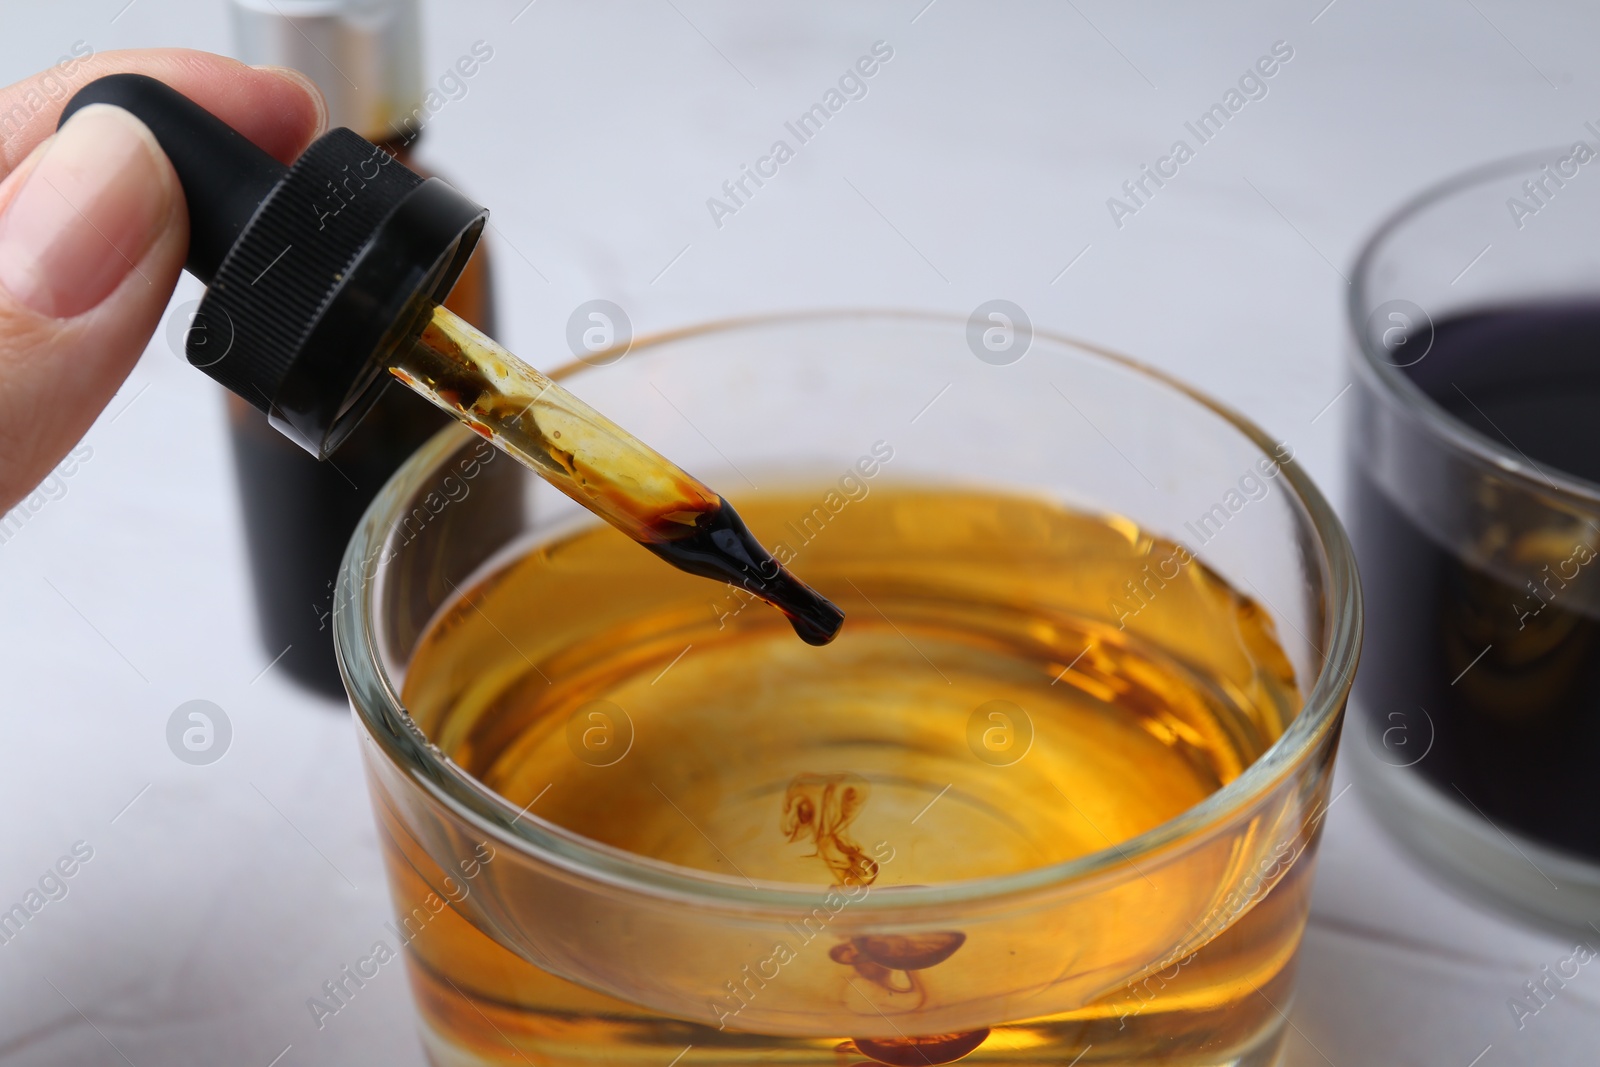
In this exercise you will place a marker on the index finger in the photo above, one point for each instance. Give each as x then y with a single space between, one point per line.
280 110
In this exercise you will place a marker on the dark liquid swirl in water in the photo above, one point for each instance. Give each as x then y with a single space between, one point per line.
818 810
1499 687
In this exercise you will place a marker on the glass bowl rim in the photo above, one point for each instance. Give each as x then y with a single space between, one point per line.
377 706
1397 388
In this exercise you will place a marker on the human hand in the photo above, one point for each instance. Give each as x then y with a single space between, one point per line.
94 232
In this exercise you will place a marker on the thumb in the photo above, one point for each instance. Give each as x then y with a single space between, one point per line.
93 234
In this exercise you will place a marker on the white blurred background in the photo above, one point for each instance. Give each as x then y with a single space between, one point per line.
978 166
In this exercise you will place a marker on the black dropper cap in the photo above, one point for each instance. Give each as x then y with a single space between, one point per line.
314 272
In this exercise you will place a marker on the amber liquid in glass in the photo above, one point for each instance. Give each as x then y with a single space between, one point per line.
980 714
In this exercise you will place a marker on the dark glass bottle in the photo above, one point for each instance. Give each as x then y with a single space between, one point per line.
299 512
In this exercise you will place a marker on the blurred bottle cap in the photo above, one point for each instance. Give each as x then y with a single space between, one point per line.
365 55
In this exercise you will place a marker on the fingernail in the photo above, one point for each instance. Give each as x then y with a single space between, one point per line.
86 214
311 89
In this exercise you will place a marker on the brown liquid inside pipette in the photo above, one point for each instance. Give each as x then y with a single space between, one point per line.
603 467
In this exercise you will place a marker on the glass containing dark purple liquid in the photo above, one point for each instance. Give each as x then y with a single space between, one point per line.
1475 510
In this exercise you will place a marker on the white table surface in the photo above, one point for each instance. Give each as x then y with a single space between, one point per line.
978 166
